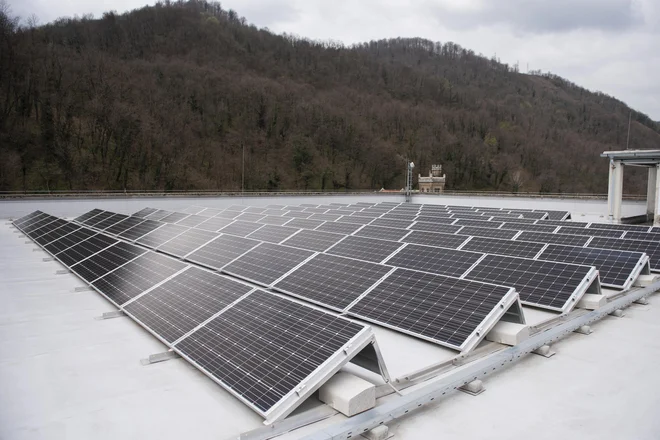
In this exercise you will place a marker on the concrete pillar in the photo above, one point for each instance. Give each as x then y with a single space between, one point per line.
651 192
656 213
615 192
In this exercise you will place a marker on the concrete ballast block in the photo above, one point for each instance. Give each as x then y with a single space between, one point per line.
348 394
381 432
508 333
590 301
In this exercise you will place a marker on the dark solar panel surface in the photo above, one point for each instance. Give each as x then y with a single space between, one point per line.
116 218
562 223
391 223
435 239
355 219
250 217
541 283
558 215
221 251
224 214
255 209
339 228
367 249
274 220
433 227
98 218
265 346
512 248
139 230
87 215
214 224
266 263
435 260
526 227
161 235
505 234
69 240
123 225
135 277
158 215
192 221
382 232
632 235
652 248
84 249
332 281
542 237
174 217
25 218
303 223
183 244
107 260
182 303
241 228
57 233
589 232
480 223
273 234
325 217
313 240
144 212
47 228
445 310
43 221
615 227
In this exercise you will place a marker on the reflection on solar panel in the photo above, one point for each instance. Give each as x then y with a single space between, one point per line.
98 218
113 219
140 229
123 225
505 234
367 249
274 220
275 212
339 228
266 263
84 249
192 221
272 233
355 219
523 249
435 260
57 233
542 237
46 228
69 240
616 268
297 214
591 232
192 209
406 217
264 347
187 242
87 215
250 217
210 212
135 277
447 311
332 281
160 214
25 223
254 209
237 208
241 229
526 227
313 240
646 236
391 223
107 260
294 208
325 217
651 248
544 284
174 217
214 224
185 301
221 251
144 212
382 232
161 235
436 239
303 223
25 218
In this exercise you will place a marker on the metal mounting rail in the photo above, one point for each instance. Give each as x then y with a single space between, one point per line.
439 389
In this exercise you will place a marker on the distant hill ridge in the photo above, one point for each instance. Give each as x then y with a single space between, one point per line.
170 96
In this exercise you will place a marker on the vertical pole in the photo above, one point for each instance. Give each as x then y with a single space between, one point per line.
651 196
243 173
656 213
615 193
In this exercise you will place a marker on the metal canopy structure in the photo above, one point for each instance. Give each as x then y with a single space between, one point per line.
641 158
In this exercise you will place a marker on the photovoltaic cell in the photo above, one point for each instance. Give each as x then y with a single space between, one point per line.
241 228
123 225
107 260
69 240
303 223
174 217
434 227
188 241
274 220
192 221
541 283
264 346
214 224
435 260
512 248
542 237
250 217
98 218
160 236
435 239
562 223
105 224
272 233
25 218
87 215
48 227
646 236
266 263
135 277
144 212
614 227
445 310
84 249
221 251
591 232
313 240
391 223
325 217
651 248
158 215
367 249
254 210
185 301
140 229
57 233
526 227
339 228
382 232
222 213
505 234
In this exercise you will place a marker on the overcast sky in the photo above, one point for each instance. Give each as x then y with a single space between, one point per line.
606 45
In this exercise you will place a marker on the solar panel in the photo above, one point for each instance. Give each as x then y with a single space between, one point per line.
525 227
631 235
98 218
107 260
303 223
250 217
331 281
435 239
523 249
440 261
140 229
237 208
542 237
527 221
433 227
616 268
615 227
28 222
562 223
294 208
254 209
391 223
86 216
221 251
185 301
192 220
558 215
366 213
355 219
591 232
367 249
144 212
69 240
325 217
213 212
433 218
183 244
274 220
505 234
214 224
313 240
273 234
478 217
274 212
25 218
339 228
535 215
43 221
447 311
57 233
263 347
193 209
316 210
298 214
651 248
84 249
135 277
48 227
383 233
161 235
123 225
105 224
406 217
545 284
174 217
266 263
241 228
158 215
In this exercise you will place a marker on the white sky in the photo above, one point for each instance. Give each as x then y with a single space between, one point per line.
605 45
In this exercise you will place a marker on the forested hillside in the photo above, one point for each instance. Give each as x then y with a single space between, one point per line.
169 97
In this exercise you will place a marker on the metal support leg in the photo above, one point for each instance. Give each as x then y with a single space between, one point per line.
584 330
62 271
159 357
642 301
82 289
111 315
